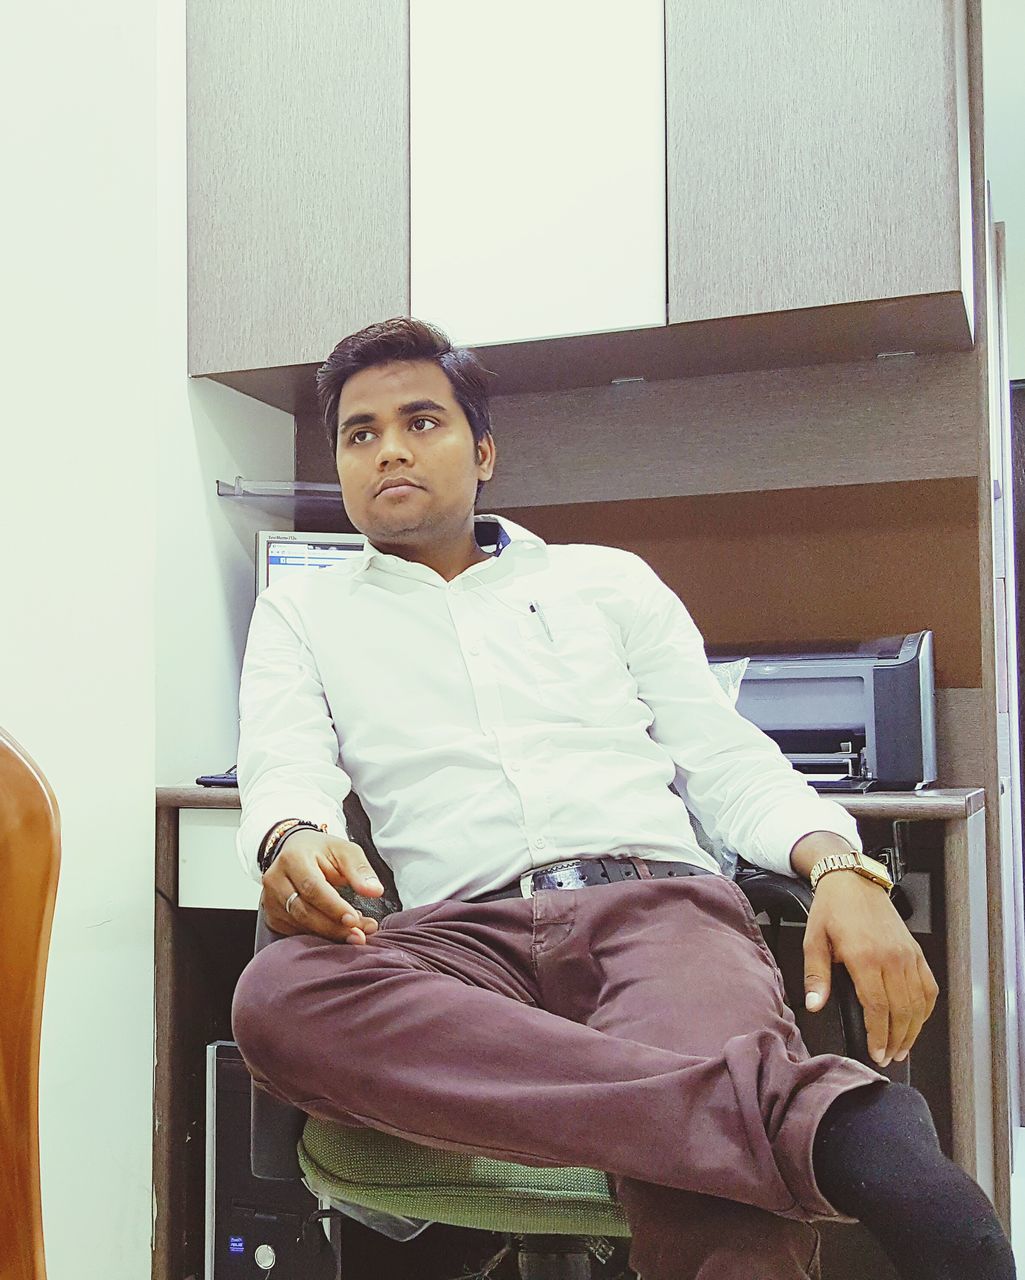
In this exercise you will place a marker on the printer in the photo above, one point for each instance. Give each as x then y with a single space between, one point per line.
851 716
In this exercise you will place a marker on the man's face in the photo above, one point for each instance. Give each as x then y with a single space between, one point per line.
402 420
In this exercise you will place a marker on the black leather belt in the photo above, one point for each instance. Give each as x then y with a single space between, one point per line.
581 873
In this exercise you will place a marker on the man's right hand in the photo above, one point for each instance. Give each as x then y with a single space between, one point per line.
315 866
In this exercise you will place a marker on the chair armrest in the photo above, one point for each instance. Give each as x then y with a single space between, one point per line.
784 898
274 1132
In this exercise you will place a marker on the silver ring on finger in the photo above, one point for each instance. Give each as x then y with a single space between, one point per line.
289 900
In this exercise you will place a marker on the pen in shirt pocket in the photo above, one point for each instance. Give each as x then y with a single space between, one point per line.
536 608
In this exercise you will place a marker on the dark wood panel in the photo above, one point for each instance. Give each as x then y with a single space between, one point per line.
807 564
174 1254
871 422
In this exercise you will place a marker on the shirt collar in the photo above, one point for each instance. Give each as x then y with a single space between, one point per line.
489 530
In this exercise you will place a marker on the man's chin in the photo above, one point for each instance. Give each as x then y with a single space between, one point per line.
400 529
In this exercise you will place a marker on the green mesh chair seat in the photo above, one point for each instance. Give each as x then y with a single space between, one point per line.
390 1175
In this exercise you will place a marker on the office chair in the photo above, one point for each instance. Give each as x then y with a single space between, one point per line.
555 1219
29 864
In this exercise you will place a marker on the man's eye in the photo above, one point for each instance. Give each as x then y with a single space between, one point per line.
353 438
430 422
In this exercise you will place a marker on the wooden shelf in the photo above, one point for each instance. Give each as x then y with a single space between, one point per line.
736 344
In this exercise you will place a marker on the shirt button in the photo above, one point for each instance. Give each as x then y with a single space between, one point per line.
539 842
474 649
514 767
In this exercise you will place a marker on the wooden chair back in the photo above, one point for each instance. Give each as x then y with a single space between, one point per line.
29 865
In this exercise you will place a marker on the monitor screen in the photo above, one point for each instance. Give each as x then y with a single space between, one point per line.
280 552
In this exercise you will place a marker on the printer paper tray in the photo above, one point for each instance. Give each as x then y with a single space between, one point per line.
852 786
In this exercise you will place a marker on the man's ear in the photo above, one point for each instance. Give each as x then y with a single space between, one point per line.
479 451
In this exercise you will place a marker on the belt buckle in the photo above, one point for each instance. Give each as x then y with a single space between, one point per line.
568 874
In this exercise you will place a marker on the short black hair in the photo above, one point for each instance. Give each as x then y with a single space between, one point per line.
403 338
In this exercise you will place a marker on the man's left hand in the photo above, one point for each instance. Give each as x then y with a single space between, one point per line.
854 923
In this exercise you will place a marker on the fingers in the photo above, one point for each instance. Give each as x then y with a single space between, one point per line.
303 917
929 985
911 992
922 992
818 968
317 867
317 893
905 1010
317 908
897 999
352 863
367 927
871 990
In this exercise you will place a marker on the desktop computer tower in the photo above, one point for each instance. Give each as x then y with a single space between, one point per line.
253 1226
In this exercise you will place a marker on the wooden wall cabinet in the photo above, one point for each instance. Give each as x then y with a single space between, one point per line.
818 158
298 177
589 191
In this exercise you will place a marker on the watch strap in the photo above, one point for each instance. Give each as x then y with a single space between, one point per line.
851 861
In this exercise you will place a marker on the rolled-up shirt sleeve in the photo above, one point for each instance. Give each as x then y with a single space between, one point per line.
288 763
732 776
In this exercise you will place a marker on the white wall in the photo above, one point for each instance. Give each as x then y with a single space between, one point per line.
84 399
1004 76
126 585
205 563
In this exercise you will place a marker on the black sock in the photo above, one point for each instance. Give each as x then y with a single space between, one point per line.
876 1158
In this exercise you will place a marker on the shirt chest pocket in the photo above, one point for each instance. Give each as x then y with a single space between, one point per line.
570 644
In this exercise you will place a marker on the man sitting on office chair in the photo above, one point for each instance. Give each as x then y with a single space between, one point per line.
524 709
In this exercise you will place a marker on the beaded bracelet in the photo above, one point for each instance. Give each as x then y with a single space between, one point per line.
277 836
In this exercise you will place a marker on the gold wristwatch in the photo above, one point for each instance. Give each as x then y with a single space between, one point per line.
859 862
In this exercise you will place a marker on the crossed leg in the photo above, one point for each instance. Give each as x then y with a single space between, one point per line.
691 983
505 1029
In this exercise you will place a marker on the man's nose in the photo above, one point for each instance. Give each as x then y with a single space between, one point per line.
393 445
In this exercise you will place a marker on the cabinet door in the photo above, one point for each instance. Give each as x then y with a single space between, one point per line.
817 154
209 872
537 167
297 176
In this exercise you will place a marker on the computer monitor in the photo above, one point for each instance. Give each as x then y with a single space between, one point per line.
280 552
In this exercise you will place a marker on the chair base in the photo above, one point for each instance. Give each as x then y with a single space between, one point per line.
537 1257
553 1258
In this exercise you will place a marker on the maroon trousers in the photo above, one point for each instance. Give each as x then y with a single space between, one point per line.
637 1028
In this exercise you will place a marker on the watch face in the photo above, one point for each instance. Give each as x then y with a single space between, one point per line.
876 869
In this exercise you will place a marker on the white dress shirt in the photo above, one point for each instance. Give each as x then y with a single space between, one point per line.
485 739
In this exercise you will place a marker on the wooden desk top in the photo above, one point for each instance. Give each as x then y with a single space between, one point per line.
939 804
